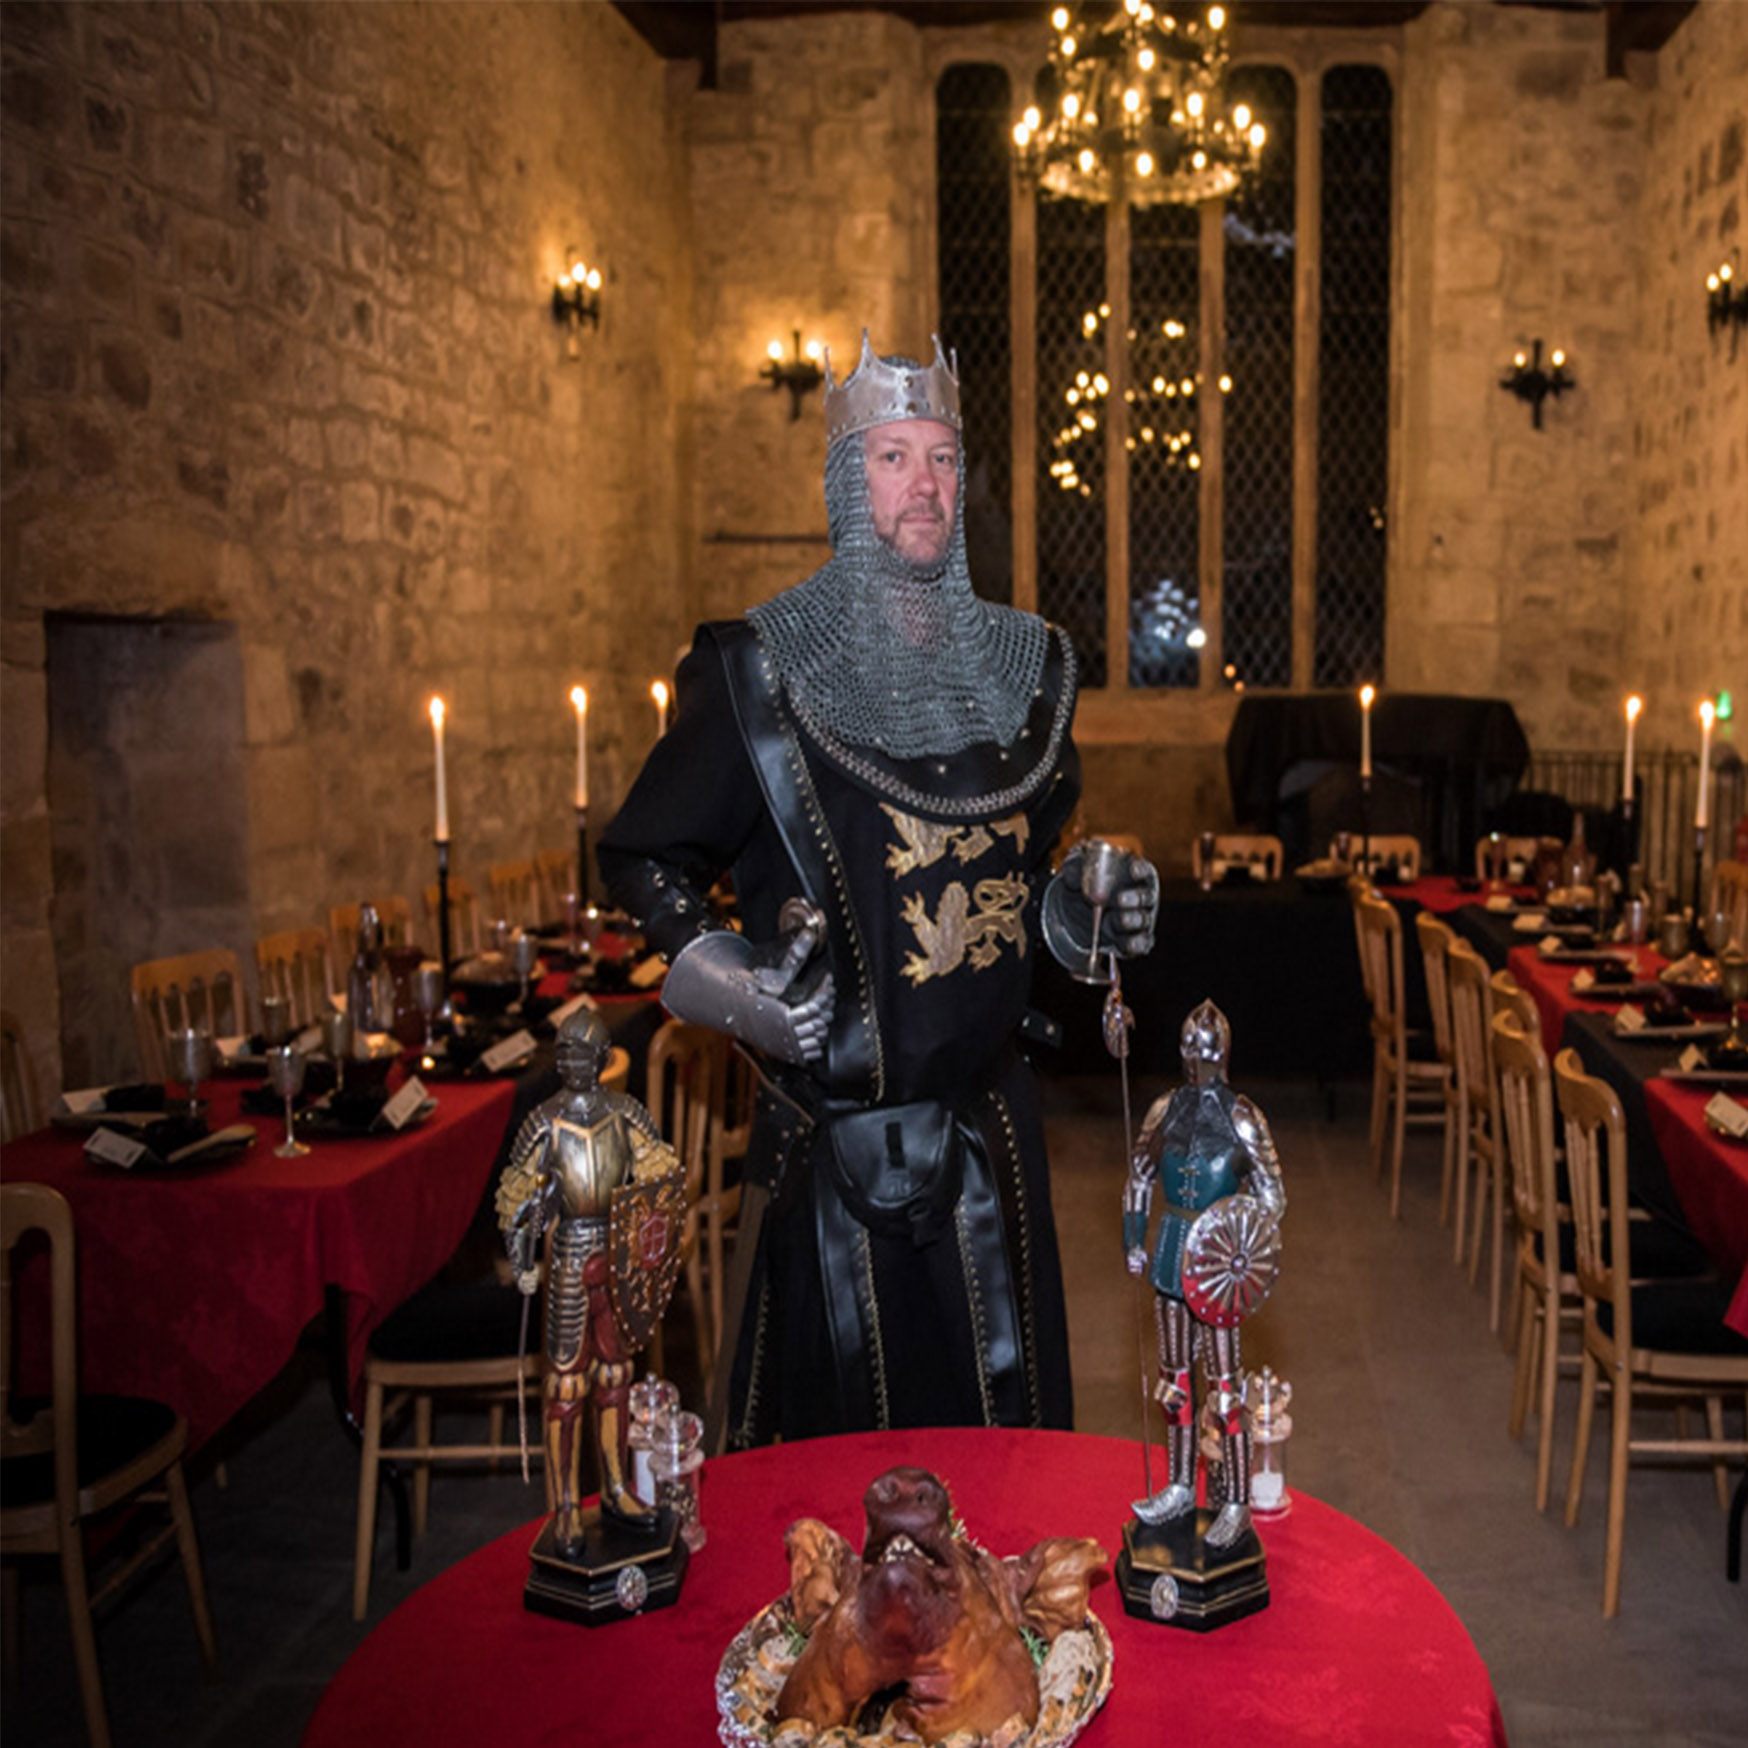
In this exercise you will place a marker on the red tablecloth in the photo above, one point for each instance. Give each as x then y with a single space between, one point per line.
194 1285
1551 986
1441 892
1710 1176
1356 1646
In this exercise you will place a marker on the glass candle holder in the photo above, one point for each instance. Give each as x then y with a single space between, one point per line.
1270 1427
677 1459
652 1399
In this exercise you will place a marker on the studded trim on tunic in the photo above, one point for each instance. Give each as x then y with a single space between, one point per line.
1012 1154
974 1303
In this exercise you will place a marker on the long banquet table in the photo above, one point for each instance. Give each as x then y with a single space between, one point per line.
1356 1645
195 1284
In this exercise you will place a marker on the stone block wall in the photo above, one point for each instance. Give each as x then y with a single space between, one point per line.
278 353
1688 608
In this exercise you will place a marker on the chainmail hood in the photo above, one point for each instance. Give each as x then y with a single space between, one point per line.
883 653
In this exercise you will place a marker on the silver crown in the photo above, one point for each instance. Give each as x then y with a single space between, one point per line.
878 393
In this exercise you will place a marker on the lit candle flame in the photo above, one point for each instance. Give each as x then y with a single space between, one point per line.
1634 705
1707 714
580 698
436 712
659 692
1367 694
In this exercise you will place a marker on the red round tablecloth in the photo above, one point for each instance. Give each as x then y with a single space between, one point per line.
1356 1646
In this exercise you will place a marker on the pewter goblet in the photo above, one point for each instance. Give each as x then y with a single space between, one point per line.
1733 976
428 991
275 1019
1717 931
1102 868
337 1041
1672 934
285 1067
524 952
191 1060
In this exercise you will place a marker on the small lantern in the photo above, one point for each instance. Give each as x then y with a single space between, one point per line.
652 1400
678 1456
1270 1427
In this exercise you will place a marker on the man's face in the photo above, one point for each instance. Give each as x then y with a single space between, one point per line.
913 484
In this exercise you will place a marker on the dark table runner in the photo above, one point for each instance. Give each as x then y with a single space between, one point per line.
1278 959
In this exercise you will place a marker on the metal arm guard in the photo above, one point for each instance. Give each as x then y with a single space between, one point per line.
1127 926
721 980
1265 1182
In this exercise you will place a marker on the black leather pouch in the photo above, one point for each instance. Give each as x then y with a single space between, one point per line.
898 1168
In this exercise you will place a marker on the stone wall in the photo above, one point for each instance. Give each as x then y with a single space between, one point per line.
1688 610
277 352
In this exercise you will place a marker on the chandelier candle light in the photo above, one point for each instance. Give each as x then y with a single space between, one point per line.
442 839
1133 108
580 702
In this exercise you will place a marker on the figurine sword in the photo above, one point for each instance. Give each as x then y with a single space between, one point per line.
1116 1023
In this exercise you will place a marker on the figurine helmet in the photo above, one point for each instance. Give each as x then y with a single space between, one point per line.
1205 1040
582 1050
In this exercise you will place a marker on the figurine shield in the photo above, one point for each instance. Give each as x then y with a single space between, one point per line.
1232 1258
645 1224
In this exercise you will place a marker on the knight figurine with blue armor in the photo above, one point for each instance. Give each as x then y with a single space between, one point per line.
1208 1151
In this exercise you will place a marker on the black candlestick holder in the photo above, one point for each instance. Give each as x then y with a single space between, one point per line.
582 859
1366 826
1699 857
443 906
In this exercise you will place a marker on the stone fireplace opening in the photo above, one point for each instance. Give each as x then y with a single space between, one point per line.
149 815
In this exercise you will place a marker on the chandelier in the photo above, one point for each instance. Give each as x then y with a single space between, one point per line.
1133 107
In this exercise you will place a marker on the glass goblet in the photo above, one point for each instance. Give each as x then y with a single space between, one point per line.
1102 869
191 1060
428 991
573 921
275 1019
1733 976
524 952
337 1041
1344 848
285 1067
1717 931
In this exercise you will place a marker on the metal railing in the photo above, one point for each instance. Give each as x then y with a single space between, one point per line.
1666 787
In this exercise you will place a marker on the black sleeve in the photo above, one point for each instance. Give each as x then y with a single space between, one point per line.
689 814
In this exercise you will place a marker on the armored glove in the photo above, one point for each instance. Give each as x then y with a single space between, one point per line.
776 996
1121 890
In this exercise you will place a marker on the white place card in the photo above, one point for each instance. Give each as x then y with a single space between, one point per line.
405 1105
229 1049
1629 1018
82 1101
1530 921
1728 1115
113 1149
1551 944
1692 1059
1582 980
1500 901
507 1052
649 972
560 1014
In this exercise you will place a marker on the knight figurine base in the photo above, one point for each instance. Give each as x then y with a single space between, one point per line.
618 1572
1168 1574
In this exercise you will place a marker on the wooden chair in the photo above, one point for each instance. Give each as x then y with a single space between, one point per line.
1477 1138
1545 1295
1646 1339
692 1076
1516 850
454 1344
1408 1080
189 990
1240 847
556 870
1436 939
464 926
20 1107
1509 996
514 892
394 913
1402 848
299 965
68 1458
1730 895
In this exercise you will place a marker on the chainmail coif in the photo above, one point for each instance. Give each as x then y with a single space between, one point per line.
881 652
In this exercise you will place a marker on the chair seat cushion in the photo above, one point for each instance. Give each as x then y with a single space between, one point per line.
113 1430
1684 1316
451 1321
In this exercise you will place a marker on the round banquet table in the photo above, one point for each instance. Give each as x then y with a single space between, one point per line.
1356 1646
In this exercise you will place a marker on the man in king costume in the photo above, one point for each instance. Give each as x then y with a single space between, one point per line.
884 761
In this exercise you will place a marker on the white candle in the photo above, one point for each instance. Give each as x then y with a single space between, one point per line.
442 785
1706 712
1367 694
1634 705
580 698
659 692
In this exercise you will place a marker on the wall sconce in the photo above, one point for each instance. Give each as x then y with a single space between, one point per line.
799 373
1530 382
576 299
1726 300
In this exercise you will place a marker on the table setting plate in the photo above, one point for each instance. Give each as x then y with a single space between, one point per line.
1688 1034
1581 956
1705 1076
221 1147
319 1122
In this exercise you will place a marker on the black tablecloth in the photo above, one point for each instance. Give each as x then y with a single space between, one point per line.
1452 760
1492 933
1278 960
